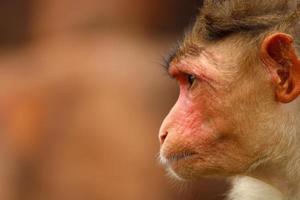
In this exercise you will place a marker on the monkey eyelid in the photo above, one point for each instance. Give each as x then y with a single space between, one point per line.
186 69
177 73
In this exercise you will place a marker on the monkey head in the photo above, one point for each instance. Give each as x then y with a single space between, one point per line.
237 98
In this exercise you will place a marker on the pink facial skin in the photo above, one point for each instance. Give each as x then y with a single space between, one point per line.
187 116
190 132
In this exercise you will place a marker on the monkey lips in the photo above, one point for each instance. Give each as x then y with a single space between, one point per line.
174 158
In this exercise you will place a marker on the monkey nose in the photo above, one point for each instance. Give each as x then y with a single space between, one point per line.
162 137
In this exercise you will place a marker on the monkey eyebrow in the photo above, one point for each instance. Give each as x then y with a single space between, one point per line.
169 57
188 50
169 62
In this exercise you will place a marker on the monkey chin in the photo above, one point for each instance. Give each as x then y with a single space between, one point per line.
186 167
192 172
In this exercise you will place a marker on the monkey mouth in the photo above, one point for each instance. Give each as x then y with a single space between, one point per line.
179 156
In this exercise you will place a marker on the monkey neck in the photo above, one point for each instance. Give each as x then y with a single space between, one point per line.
285 179
276 180
267 188
283 174
280 180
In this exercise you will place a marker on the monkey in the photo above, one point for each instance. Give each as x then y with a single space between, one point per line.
238 112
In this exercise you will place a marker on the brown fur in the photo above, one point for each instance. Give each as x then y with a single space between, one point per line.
219 19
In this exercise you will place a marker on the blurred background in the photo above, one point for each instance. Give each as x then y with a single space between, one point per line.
82 97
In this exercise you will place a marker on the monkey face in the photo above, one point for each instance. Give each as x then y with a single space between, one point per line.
212 129
197 139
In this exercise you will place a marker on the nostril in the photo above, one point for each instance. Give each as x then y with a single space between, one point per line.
163 137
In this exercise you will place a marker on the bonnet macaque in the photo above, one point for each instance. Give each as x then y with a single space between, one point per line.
238 111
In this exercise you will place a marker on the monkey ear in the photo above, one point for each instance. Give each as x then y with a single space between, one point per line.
280 58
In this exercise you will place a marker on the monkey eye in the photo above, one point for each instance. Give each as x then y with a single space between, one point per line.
191 80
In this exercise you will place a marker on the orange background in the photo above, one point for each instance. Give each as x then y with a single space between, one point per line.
82 97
